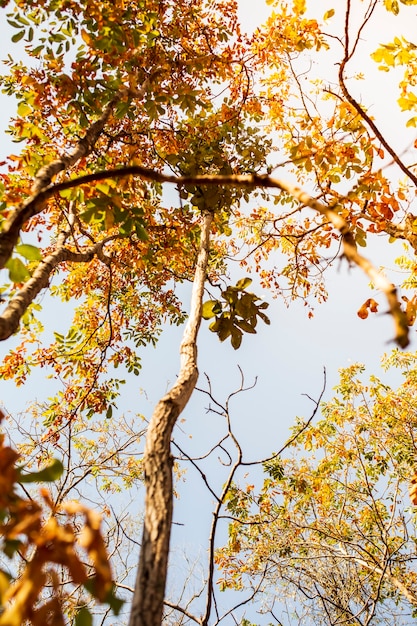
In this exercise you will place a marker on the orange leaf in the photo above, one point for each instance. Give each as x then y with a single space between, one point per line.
385 210
363 311
411 311
413 490
370 304
86 37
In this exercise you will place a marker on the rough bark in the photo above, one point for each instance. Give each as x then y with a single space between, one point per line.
149 592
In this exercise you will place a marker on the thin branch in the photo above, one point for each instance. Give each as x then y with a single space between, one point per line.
216 514
359 109
299 432
183 611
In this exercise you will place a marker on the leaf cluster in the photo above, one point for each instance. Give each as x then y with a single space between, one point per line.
47 537
236 313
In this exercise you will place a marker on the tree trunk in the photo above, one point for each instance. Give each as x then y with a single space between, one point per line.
148 598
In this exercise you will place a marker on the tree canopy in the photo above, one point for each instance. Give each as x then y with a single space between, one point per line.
157 144
330 527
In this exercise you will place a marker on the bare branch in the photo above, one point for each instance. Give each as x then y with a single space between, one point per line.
178 608
302 428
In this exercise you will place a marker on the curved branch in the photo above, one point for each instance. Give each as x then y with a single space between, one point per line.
360 111
251 181
36 201
178 608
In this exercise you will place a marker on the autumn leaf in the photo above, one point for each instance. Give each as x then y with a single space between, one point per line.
370 305
413 490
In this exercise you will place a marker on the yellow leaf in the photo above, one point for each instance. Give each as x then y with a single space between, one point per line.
23 109
328 14
86 37
412 122
299 7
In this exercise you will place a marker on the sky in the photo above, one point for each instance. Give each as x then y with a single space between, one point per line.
286 358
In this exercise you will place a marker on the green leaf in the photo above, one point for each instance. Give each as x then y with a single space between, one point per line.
230 295
275 469
49 474
246 327
245 307
18 36
141 232
264 317
243 283
114 602
11 546
18 272
127 227
83 618
210 309
222 326
236 338
31 253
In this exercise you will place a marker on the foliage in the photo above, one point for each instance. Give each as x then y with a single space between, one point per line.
239 313
331 526
43 535
113 101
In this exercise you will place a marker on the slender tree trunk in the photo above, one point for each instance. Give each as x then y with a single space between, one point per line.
149 592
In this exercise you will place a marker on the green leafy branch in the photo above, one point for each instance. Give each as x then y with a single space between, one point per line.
238 313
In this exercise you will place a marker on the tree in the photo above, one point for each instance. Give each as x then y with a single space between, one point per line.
115 100
332 527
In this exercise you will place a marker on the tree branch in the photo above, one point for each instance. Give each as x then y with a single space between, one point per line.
12 314
251 181
361 112
36 201
411 597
